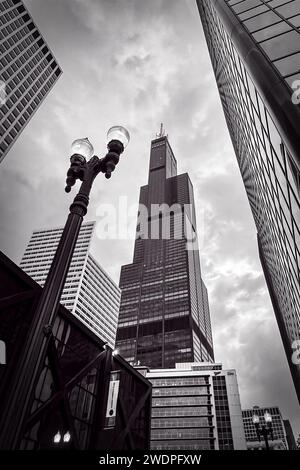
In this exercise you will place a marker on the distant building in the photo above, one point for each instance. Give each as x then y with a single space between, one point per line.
28 71
89 293
196 406
279 434
289 435
254 47
86 397
164 313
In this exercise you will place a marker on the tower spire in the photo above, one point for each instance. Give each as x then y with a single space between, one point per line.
161 132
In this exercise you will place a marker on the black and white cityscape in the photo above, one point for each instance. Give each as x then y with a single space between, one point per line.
150 225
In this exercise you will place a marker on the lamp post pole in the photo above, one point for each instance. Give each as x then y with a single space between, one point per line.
33 354
265 430
265 433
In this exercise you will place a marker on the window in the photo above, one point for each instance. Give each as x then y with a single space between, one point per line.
271 31
261 21
288 65
282 45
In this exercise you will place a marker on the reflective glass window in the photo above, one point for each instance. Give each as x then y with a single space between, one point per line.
271 31
282 45
288 65
261 21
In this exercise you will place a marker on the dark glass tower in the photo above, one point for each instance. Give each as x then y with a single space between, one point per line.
255 52
28 71
164 314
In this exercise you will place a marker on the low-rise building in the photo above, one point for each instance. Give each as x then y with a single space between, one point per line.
196 406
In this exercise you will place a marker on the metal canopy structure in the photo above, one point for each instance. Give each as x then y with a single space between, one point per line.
70 404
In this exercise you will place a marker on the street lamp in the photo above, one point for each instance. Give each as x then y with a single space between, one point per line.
61 441
265 429
57 438
67 437
86 170
84 166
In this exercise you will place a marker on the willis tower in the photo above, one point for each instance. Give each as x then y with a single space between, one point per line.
164 314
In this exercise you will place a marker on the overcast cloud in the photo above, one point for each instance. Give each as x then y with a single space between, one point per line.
139 63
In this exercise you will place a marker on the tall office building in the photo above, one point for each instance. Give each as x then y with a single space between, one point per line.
28 71
279 434
255 49
89 293
164 313
196 406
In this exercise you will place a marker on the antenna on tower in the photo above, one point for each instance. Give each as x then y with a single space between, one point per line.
161 132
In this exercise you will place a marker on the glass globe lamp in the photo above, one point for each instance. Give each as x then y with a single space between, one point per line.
82 147
118 133
255 419
57 438
268 418
67 437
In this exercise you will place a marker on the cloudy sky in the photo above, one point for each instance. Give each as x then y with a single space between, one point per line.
139 63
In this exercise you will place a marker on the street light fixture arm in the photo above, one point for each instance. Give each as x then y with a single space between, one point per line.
86 171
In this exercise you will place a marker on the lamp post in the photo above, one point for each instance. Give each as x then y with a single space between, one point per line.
265 429
84 167
60 439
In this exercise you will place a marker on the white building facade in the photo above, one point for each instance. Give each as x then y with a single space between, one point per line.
196 406
28 71
89 293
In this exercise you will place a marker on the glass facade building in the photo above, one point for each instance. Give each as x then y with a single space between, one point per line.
291 441
164 313
195 406
89 293
28 71
278 427
255 49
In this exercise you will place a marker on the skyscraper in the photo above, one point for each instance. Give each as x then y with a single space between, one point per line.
196 406
28 71
89 293
255 49
164 313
